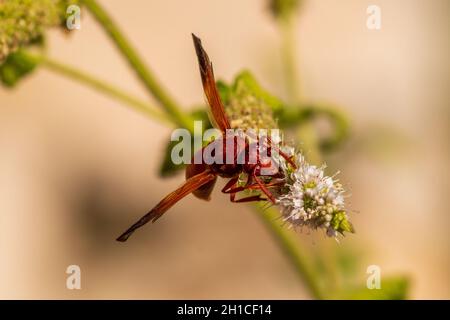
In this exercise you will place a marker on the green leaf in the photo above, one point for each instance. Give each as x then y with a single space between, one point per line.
167 167
392 288
16 66
340 223
246 79
293 117
224 91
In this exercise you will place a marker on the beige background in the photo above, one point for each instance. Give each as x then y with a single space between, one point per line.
77 167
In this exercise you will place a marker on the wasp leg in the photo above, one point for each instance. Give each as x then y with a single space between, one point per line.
230 184
232 189
253 186
246 199
263 187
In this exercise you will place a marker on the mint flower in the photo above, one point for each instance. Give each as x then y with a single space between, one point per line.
312 199
23 22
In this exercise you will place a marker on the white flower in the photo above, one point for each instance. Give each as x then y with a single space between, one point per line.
312 199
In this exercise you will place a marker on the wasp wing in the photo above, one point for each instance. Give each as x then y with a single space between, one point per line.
165 204
209 86
204 192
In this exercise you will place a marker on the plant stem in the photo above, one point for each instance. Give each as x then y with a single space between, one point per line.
100 86
289 243
142 71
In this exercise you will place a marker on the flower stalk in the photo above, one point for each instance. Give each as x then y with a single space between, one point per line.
289 244
99 85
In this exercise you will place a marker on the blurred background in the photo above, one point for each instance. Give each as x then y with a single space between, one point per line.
76 168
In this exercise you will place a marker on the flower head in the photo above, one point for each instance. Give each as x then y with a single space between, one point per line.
246 104
23 22
312 199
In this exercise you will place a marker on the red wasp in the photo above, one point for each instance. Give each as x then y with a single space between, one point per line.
201 177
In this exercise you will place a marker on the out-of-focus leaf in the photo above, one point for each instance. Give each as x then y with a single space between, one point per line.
292 117
16 66
283 9
392 288
167 167
224 91
348 259
383 143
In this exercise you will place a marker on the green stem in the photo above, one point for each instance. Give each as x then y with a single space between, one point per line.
142 71
100 86
290 245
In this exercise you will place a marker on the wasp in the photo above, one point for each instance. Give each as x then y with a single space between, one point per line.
243 158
